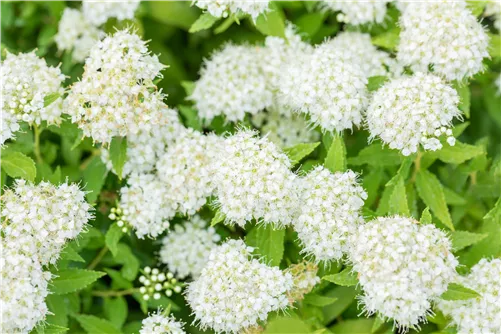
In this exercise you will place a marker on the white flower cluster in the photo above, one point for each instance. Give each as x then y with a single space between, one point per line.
8 126
493 9
116 95
231 84
413 110
98 12
235 292
76 34
402 267
481 314
329 213
253 181
357 12
185 249
26 82
444 35
332 91
155 282
223 8
159 323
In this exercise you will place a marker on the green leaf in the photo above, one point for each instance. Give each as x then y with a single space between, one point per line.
71 280
345 297
204 21
130 263
376 82
345 278
495 45
132 327
94 176
116 310
95 325
495 213
376 155
113 236
353 326
426 217
463 239
118 154
268 243
378 323
463 90
191 117
228 22
173 13
48 328
458 292
117 280
458 153
287 325
298 152
58 310
388 40
271 24
310 23
189 87
317 300
218 218
431 192
70 254
476 6
398 199
51 98
16 164
452 198
335 161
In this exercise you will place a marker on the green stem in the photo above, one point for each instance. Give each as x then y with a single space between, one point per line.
36 149
114 293
98 258
417 166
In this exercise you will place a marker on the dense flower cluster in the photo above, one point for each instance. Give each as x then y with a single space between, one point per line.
159 323
234 292
359 11
253 181
409 111
116 95
186 248
402 267
98 12
26 82
481 314
444 35
223 8
329 213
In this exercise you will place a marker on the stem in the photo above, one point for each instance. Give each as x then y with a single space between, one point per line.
36 149
417 165
98 258
114 293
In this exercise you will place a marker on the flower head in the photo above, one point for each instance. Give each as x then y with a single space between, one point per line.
158 323
223 8
98 12
358 12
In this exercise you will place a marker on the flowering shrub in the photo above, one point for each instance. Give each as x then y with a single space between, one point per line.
250 166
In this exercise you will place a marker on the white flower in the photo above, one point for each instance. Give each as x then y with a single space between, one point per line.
98 12
158 323
231 84
414 110
223 8
8 125
402 267
50 214
185 250
116 95
493 8
26 82
358 12
481 314
443 35
329 213
253 181
76 34
235 292
332 91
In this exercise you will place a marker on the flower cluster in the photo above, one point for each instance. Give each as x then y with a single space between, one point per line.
98 12
160 323
8 126
358 12
116 95
330 212
304 277
223 8
402 267
253 181
444 35
413 110
26 82
186 248
234 292
155 282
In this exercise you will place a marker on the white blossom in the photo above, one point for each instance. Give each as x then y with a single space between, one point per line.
98 12
185 250
443 35
8 126
235 291
402 267
357 12
413 110
223 8
158 323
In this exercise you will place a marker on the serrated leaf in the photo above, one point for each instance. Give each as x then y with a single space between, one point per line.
48 328
452 198
431 192
268 243
112 237
458 153
271 24
463 239
335 161
317 300
376 155
398 199
388 40
116 310
458 292
464 97
71 280
51 98
70 254
345 278
376 82
16 164
118 154
495 213
298 152
204 21
218 218
94 325
425 217
94 176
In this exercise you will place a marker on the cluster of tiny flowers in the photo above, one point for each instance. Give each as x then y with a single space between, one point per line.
493 9
98 12
116 95
160 323
223 8
444 35
284 130
332 91
231 84
155 282
413 110
358 12
145 147
329 213
186 248
402 267
304 277
8 126
253 181
26 82
76 34
50 214
235 292
481 314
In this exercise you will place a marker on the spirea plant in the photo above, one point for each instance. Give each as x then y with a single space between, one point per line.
250 167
